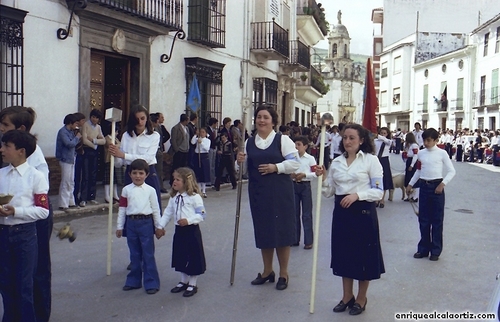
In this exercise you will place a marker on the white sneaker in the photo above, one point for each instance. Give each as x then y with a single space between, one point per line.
93 202
83 203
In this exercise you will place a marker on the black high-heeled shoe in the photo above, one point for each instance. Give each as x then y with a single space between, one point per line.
282 283
341 307
261 280
357 309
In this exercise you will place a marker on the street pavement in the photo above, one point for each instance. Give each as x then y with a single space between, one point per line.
461 281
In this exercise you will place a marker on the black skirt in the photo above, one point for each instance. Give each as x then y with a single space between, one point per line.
188 255
386 166
356 250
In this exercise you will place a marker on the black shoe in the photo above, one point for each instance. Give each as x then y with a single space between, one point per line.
179 288
419 255
261 280
129 288
282 283
407 199
341 307
152 291
381 205
188 293
129 267
357 309
414 200
434 258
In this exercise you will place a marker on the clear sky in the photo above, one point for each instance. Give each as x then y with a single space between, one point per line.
356 16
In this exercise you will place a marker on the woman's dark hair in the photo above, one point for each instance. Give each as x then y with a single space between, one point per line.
364 134
132 120
270 110
389 136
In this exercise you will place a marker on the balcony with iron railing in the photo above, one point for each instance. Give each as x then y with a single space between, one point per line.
486 97
312 25
299 59
165 14
310 86
269 41
456 105
207 22
423 108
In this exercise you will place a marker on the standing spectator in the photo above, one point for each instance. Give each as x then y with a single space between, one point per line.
271 158
159 153
226 123
302 188
165 136
226 161
382 144
479 147
179 145
355 178
92 137
65 153
18 236
22 118
193 130
328 142
417 132
432 181
398 137
138 202
336 140
495 143
201 163
139 141
118 171
238 142
212 129
80 119
410 152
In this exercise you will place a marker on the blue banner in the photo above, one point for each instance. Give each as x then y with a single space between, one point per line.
194 96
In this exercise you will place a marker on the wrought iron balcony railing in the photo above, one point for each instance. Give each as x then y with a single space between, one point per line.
299 54
488 96
311 8
207 22
270 36
167 13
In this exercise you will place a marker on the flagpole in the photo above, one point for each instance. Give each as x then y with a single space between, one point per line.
326 119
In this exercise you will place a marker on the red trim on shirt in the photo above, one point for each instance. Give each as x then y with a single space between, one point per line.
41 200
123 201
418 165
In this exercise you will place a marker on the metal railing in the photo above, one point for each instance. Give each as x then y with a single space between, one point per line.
488 96
269 35
456 104
167 13
311 8
207 23
299 54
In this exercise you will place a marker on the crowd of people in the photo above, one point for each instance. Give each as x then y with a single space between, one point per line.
356 170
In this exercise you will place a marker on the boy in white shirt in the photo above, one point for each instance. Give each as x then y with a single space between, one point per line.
431 198
302 187
18 217
139 204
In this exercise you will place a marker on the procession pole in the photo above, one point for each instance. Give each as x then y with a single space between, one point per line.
326 119
241 148
113 115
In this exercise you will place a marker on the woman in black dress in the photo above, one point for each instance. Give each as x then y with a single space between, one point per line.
271 157
355 178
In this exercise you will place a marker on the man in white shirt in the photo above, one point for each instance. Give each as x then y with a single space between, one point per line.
336 139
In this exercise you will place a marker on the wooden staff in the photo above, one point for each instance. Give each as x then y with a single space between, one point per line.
241 148
326 119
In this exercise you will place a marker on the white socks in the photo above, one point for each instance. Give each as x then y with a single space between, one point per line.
106 192
203 187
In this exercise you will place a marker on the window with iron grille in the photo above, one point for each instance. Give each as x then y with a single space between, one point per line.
11 56
265 92
207 22
486 39
209 76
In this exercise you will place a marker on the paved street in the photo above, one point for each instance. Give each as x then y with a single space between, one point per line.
462 280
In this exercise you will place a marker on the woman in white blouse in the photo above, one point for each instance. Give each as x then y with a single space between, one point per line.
140 141
271 158
383 142
355 178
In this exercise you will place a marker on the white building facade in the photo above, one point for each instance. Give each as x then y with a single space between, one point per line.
118 53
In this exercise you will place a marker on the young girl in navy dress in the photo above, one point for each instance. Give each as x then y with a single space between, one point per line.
383 143
201 163
410 157
186 206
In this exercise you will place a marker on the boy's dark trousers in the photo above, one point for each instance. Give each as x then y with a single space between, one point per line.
42 279
303 196
140 241
78 177
179 160
226 162
398 145
18 256
430 218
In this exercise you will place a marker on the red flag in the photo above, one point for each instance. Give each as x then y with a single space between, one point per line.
370 101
